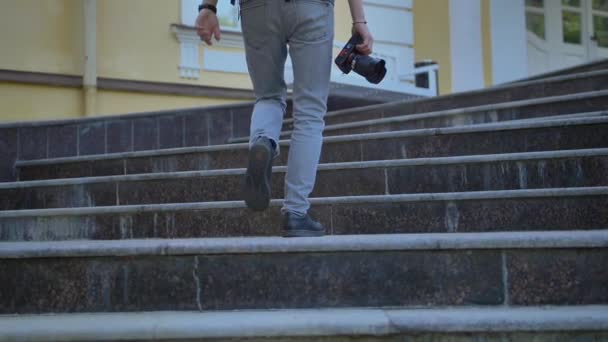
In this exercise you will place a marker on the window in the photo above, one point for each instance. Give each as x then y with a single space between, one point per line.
571 3
535 3
228 16
600 5
535 17
600 22
572 21
600 28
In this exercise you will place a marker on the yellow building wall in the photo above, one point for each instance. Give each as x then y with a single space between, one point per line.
135 42
43 36
23 102
432 37
114 102
486 36
343 21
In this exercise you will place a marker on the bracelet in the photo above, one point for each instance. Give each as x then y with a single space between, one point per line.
359 22
207 6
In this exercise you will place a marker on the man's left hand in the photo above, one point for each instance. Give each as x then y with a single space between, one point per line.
207 26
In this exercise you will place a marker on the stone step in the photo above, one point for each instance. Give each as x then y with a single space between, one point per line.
505 210
508 137
601 64
377 120
567 93
384 125
483 324
206 126
469 114
529 170
490 269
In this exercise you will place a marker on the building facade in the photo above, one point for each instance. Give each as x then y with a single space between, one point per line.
75 58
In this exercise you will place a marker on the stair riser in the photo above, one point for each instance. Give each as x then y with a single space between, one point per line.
475 143
482 215
500 175
305 280
480 117
532 91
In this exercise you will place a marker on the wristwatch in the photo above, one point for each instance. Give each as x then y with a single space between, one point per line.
207 6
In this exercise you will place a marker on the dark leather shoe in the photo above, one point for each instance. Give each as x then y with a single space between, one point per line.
301 226
256 187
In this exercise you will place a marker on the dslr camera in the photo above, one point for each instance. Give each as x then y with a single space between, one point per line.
373 69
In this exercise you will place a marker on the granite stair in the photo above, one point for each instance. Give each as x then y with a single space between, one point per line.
480 215
495 138
388 117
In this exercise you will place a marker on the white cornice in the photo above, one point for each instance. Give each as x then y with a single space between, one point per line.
190 43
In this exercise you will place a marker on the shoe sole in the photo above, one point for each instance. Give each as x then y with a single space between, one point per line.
302 233
256 190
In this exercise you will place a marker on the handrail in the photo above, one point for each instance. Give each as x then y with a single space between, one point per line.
431 71
421 70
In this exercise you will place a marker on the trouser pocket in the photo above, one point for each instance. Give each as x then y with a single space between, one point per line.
253 22
314 21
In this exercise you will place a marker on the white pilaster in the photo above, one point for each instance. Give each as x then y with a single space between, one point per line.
466 46
509 40
189 66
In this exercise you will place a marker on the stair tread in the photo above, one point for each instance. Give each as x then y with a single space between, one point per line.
473 92
371 122
369 199
465 159
301 322
485 107
337 243
491 127
414 117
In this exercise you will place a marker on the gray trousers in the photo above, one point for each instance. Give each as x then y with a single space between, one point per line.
307 28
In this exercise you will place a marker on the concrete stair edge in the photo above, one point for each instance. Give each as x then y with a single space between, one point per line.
490 127
413 117
303 322
342 243
479 108
476 92
593 114
370 199
472 159
565 71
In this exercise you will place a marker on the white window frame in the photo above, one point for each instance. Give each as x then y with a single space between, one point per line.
190 45
543 12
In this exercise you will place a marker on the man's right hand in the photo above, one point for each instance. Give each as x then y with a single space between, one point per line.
367 47
207 26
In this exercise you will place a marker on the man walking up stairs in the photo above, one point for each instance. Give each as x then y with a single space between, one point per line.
307 27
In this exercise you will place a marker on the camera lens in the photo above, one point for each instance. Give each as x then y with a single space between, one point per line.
373 69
